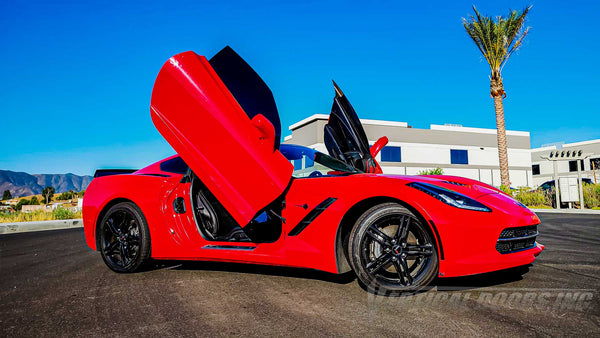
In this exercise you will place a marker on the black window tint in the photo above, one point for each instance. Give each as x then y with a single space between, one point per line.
573 165
594 163
458 156
535 169
391 154
175 165
249 90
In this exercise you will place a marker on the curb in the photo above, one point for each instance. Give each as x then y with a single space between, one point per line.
16 227
568 211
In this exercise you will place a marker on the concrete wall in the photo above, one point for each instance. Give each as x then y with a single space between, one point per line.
16 227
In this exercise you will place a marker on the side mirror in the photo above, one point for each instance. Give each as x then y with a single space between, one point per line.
376 148
266 129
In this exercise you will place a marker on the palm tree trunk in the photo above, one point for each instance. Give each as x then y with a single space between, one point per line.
497 91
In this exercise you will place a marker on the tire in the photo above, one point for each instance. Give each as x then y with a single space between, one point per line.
124 238
391 251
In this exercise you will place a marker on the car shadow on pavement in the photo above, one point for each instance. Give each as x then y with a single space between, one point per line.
344 278
459 283
441 284
494 278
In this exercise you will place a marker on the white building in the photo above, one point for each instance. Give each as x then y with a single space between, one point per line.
459 151
543 170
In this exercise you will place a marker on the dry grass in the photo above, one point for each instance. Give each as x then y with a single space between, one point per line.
56 214
531 198
540 207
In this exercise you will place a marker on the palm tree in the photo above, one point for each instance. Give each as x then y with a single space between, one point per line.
497 39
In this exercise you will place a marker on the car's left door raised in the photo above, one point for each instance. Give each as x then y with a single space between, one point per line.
233 155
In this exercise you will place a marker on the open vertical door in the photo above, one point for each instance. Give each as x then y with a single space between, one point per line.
234 153
345 137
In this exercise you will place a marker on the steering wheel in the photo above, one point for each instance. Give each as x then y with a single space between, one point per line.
315 173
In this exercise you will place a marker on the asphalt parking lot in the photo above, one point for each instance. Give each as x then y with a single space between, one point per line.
51 284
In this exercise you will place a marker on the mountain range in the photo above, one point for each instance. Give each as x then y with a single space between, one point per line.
24 184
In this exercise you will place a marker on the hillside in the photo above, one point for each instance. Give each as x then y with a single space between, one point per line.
24 184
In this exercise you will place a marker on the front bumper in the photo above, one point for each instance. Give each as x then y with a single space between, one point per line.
475 242
486 262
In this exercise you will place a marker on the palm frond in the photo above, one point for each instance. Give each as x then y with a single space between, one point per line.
497 38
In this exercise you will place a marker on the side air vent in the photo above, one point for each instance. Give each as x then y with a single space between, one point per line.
311 216
455 183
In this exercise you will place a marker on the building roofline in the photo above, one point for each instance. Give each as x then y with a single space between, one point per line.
574 144
315 117
543 148
477 130
439 127
385 123
308 120
566 145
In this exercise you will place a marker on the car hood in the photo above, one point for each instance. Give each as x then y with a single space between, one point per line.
468 187
479 191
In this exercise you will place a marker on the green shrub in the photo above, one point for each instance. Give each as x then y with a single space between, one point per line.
436 171
67 195
531 198
62 213
506 190
21 203
591 195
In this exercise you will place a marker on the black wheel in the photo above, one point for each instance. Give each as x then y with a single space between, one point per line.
391 252
124 238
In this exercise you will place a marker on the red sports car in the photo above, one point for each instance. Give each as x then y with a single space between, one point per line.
235 194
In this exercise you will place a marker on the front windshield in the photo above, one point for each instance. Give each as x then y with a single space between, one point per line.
311 163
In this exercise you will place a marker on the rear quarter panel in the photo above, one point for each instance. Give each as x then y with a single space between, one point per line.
144 190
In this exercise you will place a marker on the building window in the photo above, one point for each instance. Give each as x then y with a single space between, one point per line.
459 156
391 154
595 163
535 169
573 165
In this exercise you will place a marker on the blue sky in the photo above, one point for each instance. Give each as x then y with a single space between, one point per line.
76 76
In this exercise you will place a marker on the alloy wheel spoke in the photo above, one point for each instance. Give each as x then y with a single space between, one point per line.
110 248
123 251
379 263
402 231
111 226
123 225
406 277
133 240
399 271
418 250
379 236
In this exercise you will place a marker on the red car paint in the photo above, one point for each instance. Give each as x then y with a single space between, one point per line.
234 156
206 126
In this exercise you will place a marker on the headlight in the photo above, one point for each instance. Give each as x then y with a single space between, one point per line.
450 197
